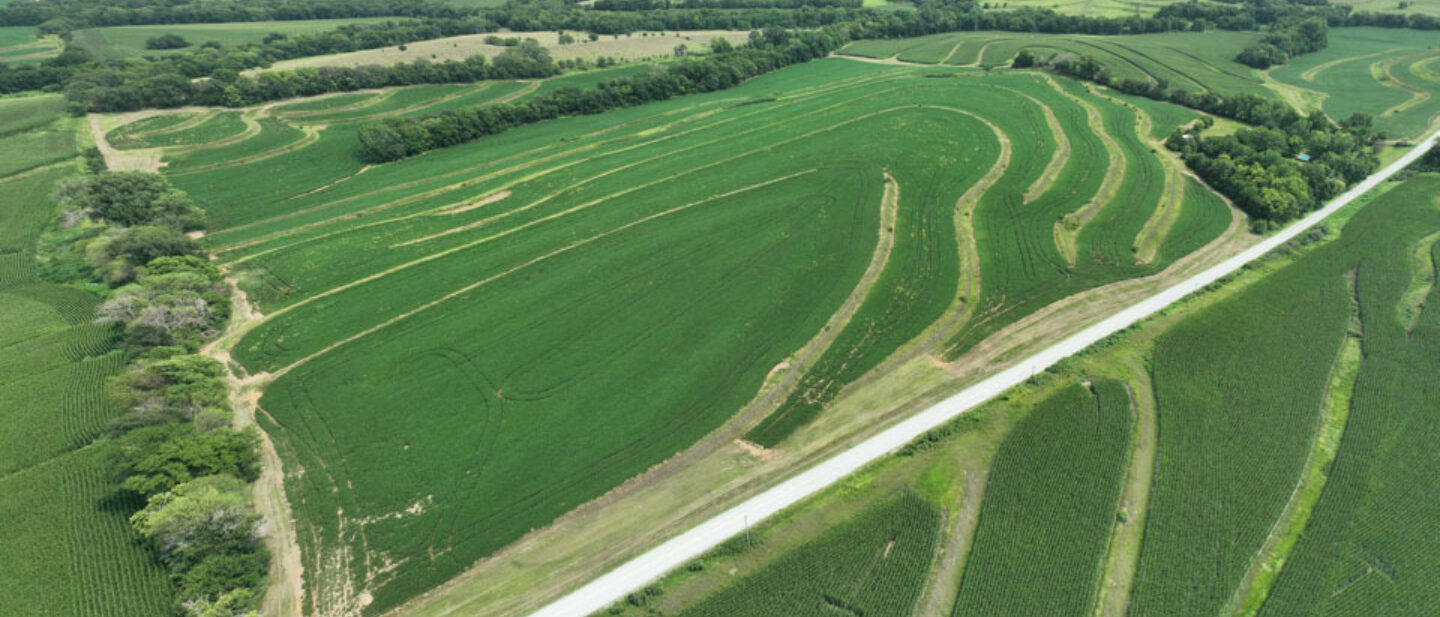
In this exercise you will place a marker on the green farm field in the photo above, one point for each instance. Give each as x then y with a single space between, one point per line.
1304 484
491 289
1050 506
874 564
1424 7
120 42
79 555
1393 75
1197 61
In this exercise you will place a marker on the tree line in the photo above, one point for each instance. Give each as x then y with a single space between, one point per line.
104 90
653 5
61 16
1291 36
174 452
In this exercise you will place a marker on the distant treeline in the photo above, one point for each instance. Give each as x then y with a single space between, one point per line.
109 85
58 16
651 5
108 91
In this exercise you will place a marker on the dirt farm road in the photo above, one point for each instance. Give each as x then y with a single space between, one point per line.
679 550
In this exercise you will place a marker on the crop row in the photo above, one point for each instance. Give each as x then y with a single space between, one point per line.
1370 544
1050 505
874 565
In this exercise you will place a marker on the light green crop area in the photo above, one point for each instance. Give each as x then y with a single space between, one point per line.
1391 74
1196 61
537 316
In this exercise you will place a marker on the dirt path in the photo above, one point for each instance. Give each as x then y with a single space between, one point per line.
37 170
1172 198
788 374
1124 552
132 160
285 593
1303 100
892 60
944 581
1314 71
980 55
310 136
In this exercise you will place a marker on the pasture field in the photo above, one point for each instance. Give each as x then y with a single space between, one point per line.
1092 8
872 565
79 554
633 46
1391 74
1050 506
497 289
120 42
1197 61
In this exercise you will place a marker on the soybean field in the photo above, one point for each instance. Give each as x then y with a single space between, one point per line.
463 346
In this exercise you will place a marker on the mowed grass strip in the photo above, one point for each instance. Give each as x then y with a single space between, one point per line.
273 135
1050 505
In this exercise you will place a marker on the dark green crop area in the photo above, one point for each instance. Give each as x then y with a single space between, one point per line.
1240 387
1050 506
873 565
484 337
